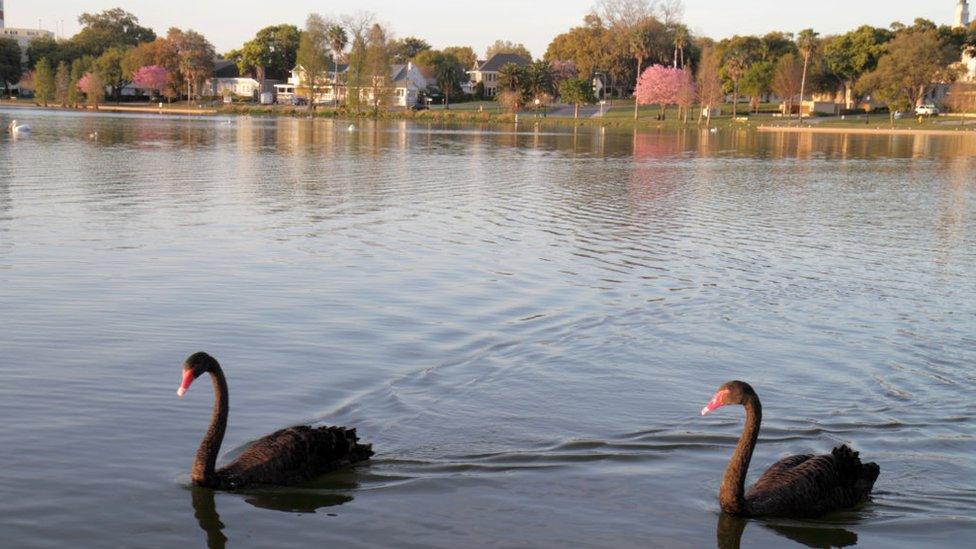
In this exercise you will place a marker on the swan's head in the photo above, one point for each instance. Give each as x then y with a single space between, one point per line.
195 366
733 392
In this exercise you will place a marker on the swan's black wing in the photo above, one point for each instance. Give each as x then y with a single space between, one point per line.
778 471
295 454
810 486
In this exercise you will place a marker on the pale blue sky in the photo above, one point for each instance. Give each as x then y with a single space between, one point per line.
228 23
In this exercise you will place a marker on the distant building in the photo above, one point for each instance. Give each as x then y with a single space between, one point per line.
408 86
227 80
962 14
968 63
486 72
22 36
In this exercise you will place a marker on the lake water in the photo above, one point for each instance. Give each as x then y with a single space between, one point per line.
525 323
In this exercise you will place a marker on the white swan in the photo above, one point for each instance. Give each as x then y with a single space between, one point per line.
351 128
18 129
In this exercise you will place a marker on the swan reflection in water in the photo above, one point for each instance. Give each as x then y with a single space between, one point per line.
276 499
730 528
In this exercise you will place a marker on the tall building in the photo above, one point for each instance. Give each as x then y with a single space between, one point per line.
962 13
22 36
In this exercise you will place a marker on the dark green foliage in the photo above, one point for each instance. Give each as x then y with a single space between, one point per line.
10 68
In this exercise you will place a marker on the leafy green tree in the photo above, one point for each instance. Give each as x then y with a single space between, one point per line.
194 57
449 75
774 45
55 51
851 55
576 91
584 45
313 55
110 28
10 69
757 81
464 54
540 81
271 53
62 81
110 66
44 84
904 75
405 49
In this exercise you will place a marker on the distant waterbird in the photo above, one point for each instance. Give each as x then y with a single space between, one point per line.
16 128
289 456
351 128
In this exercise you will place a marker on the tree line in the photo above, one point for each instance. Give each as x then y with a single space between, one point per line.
618 42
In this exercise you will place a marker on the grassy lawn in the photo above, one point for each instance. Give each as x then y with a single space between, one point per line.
479 106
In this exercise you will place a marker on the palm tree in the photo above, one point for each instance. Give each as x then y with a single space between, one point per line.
680 36
337 41
641 47
447 72
807 42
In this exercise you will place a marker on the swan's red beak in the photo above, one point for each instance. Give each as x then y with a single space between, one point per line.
187 380
717 402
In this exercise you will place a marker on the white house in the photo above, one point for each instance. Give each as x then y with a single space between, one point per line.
486 72
227 79
408 86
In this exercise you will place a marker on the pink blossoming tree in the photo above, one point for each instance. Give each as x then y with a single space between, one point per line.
661 85
93 86
151 77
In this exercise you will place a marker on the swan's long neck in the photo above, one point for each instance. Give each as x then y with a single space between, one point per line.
732 494
205 462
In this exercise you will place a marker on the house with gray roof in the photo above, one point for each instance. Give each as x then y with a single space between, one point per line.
486 72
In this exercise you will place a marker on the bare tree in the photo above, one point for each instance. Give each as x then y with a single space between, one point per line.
359 23
788 81
624 13
671 11
709 83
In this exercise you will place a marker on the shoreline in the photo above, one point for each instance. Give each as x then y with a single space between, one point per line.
144 109
863 131
485 118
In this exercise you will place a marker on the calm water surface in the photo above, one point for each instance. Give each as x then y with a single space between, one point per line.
524 323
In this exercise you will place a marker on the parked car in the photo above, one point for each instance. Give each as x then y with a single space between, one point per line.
927 109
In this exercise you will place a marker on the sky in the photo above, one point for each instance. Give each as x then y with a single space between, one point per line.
477 23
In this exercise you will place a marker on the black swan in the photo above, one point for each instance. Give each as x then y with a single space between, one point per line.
288 456
803 486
